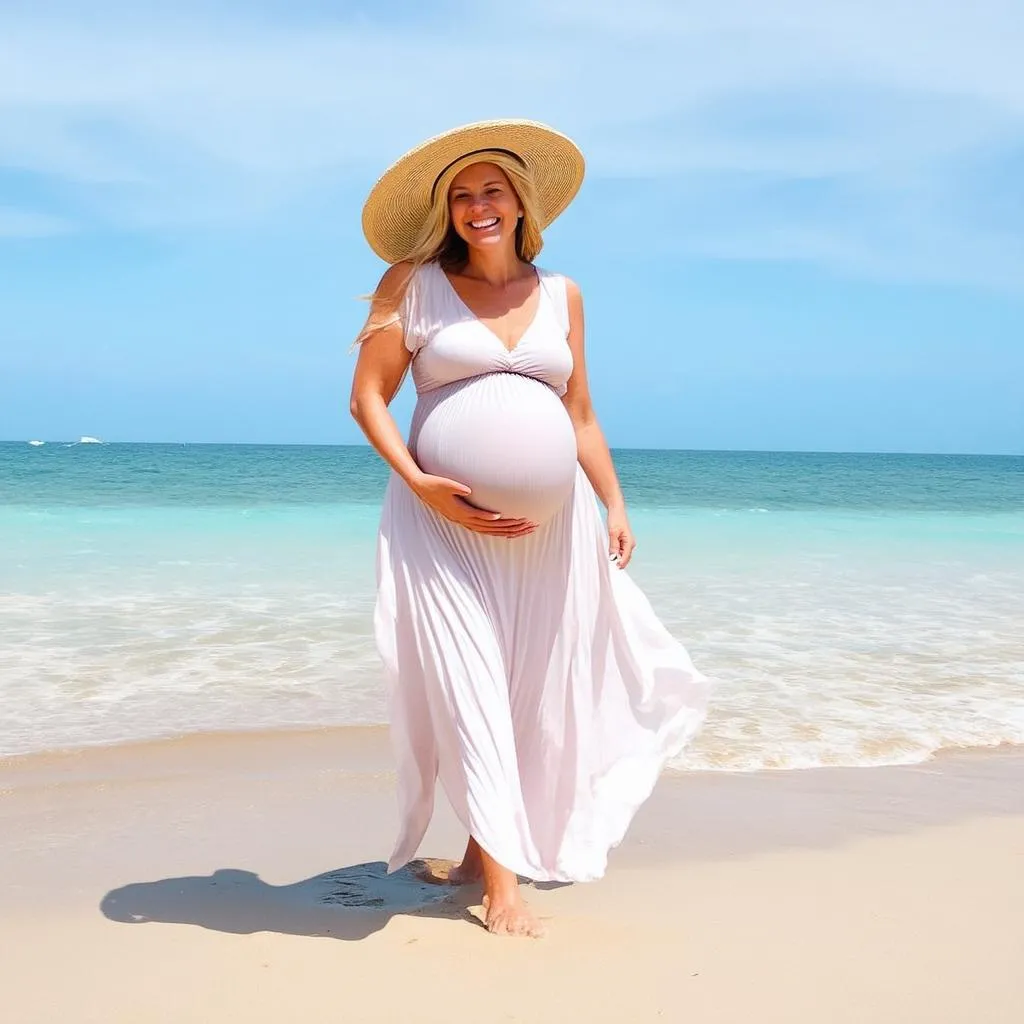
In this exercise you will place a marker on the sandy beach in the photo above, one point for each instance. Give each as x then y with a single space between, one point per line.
239 877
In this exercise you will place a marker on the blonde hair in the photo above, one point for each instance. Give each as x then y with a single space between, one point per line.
438 242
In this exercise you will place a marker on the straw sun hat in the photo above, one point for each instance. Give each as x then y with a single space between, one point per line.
399 202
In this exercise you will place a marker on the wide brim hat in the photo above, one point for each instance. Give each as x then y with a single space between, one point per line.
398 204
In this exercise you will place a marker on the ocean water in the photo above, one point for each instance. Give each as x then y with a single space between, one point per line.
853 609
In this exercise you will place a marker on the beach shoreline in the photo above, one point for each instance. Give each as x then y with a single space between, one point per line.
234 860
370 740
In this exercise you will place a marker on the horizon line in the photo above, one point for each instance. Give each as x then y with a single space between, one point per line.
614 448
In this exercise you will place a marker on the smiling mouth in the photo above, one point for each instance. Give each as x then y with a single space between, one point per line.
483 225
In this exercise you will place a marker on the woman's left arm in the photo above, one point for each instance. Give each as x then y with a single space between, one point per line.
594 456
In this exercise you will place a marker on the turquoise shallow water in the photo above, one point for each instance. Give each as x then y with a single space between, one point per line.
854 609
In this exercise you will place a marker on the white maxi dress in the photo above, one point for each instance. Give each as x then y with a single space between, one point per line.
530 674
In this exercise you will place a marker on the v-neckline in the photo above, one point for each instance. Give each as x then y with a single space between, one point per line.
529 327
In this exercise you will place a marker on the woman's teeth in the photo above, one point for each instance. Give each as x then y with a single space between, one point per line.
490 222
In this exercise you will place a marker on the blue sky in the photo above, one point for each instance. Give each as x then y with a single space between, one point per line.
802 225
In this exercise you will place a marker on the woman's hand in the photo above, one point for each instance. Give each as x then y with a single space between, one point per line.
448 499
621 542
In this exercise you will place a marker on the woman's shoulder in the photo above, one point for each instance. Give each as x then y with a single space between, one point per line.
397 275
548 272
393 281
572 289
404 281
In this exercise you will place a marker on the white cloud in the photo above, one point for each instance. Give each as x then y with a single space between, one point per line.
183 121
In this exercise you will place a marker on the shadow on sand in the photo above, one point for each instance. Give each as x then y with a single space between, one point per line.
349 903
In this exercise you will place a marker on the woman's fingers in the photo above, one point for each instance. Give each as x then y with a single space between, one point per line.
518 531
628 547
500 521
620 547
500 528
461 501
457 487
449 498
614 545
503 533
473 517
463 513
480 516
484 522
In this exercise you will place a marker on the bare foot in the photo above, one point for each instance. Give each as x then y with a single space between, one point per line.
503 911
446 872
472 867
511 917
432 870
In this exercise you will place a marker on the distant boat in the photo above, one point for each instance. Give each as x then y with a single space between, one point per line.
89 440
36 444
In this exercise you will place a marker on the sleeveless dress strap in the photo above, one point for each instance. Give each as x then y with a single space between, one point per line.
554 285
414 309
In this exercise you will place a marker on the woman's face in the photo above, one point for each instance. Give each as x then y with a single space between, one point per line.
483 205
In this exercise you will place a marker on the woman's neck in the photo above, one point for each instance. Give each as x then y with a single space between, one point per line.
496 267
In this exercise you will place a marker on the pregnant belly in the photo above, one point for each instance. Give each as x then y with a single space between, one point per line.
506 436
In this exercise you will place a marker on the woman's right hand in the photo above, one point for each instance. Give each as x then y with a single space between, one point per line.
448 499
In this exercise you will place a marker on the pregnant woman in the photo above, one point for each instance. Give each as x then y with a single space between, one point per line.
525 668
